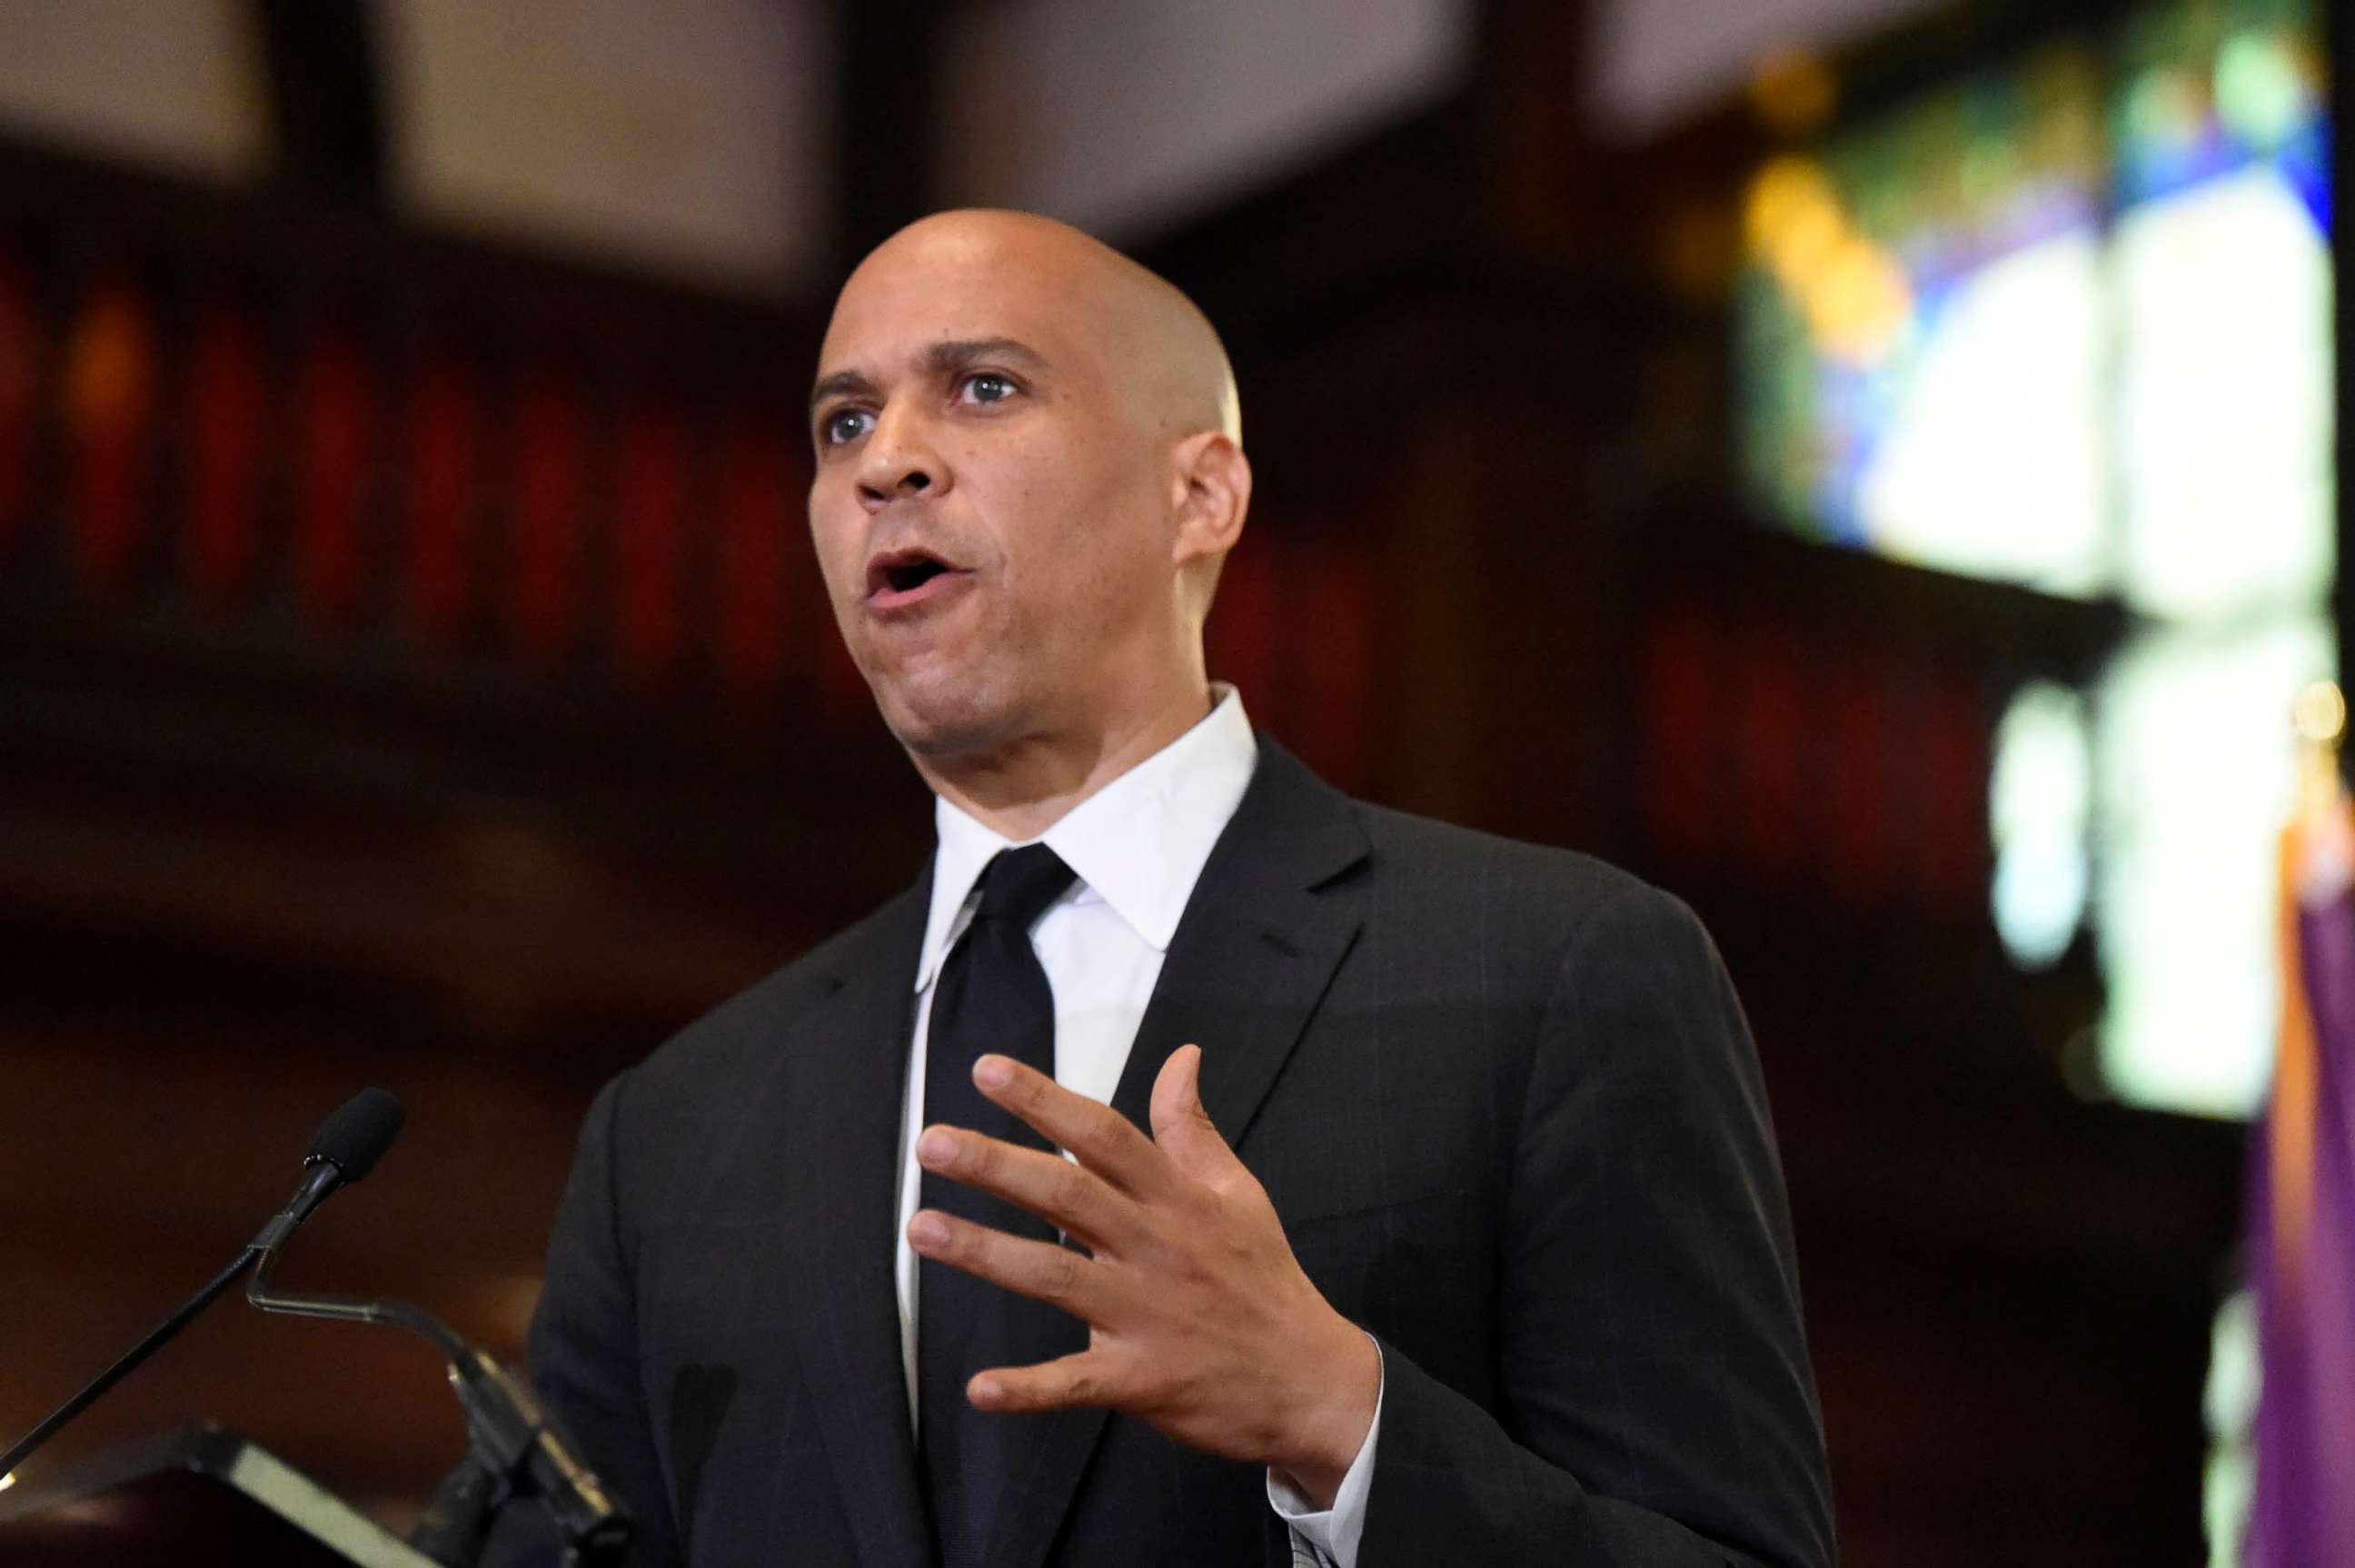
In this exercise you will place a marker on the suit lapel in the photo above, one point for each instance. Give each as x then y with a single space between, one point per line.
838 1154
1252 957
1256 949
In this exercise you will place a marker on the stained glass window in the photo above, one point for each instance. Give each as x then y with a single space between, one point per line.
2068 324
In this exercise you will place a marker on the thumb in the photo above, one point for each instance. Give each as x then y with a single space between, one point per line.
1180 1125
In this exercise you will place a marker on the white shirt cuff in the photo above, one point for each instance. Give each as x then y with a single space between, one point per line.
1332 1533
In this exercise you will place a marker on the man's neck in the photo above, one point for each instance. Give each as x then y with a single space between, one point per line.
1021 790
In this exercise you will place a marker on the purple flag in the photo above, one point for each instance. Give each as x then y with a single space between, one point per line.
2301 1229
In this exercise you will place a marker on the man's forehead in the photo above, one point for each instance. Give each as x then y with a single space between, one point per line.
904 309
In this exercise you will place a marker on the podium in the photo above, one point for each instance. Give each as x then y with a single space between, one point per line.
200 1495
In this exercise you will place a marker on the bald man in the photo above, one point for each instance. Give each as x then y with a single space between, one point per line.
1195 1166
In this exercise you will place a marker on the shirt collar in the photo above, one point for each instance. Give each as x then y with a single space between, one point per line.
1138 844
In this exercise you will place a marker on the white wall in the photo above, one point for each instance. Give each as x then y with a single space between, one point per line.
689 135
170 82
1129 116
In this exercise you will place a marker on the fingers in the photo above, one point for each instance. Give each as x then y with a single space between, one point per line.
1099 1136
1040 1270
1080 1378
1066 1196
1182 1128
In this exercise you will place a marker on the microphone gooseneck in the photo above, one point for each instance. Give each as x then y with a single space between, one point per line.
345 1148
513 1446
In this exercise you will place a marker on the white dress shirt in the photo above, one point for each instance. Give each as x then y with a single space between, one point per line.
1136 845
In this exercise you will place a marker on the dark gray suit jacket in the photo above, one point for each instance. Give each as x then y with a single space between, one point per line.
1503 1098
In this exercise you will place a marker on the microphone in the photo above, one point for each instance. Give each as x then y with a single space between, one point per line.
514 1448
345 1148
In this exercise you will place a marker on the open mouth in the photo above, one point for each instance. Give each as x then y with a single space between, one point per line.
899 572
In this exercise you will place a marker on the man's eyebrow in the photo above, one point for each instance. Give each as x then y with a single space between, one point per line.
958 353
842 383
939 358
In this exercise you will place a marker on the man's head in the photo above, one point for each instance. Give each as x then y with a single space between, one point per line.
1027 472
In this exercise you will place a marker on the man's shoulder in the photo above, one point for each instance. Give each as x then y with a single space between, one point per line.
1450 890
1519 908
1410 857
1421 855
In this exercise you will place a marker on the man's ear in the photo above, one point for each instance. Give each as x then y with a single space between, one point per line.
1213 479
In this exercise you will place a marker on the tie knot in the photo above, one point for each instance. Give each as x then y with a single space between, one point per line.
1018 884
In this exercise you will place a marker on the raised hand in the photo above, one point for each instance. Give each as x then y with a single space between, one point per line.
1200 1320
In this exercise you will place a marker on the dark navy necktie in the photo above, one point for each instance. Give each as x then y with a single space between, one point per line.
992 996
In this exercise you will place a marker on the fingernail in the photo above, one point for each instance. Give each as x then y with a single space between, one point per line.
985 1391
936 1148
927 1231
993 1072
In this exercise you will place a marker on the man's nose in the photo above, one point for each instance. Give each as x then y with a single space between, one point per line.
900 460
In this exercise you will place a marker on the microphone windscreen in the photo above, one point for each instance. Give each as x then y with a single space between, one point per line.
355 1138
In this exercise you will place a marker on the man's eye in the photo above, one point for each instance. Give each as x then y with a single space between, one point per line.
988 387
841 426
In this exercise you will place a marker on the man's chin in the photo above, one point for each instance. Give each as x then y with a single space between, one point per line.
944 729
